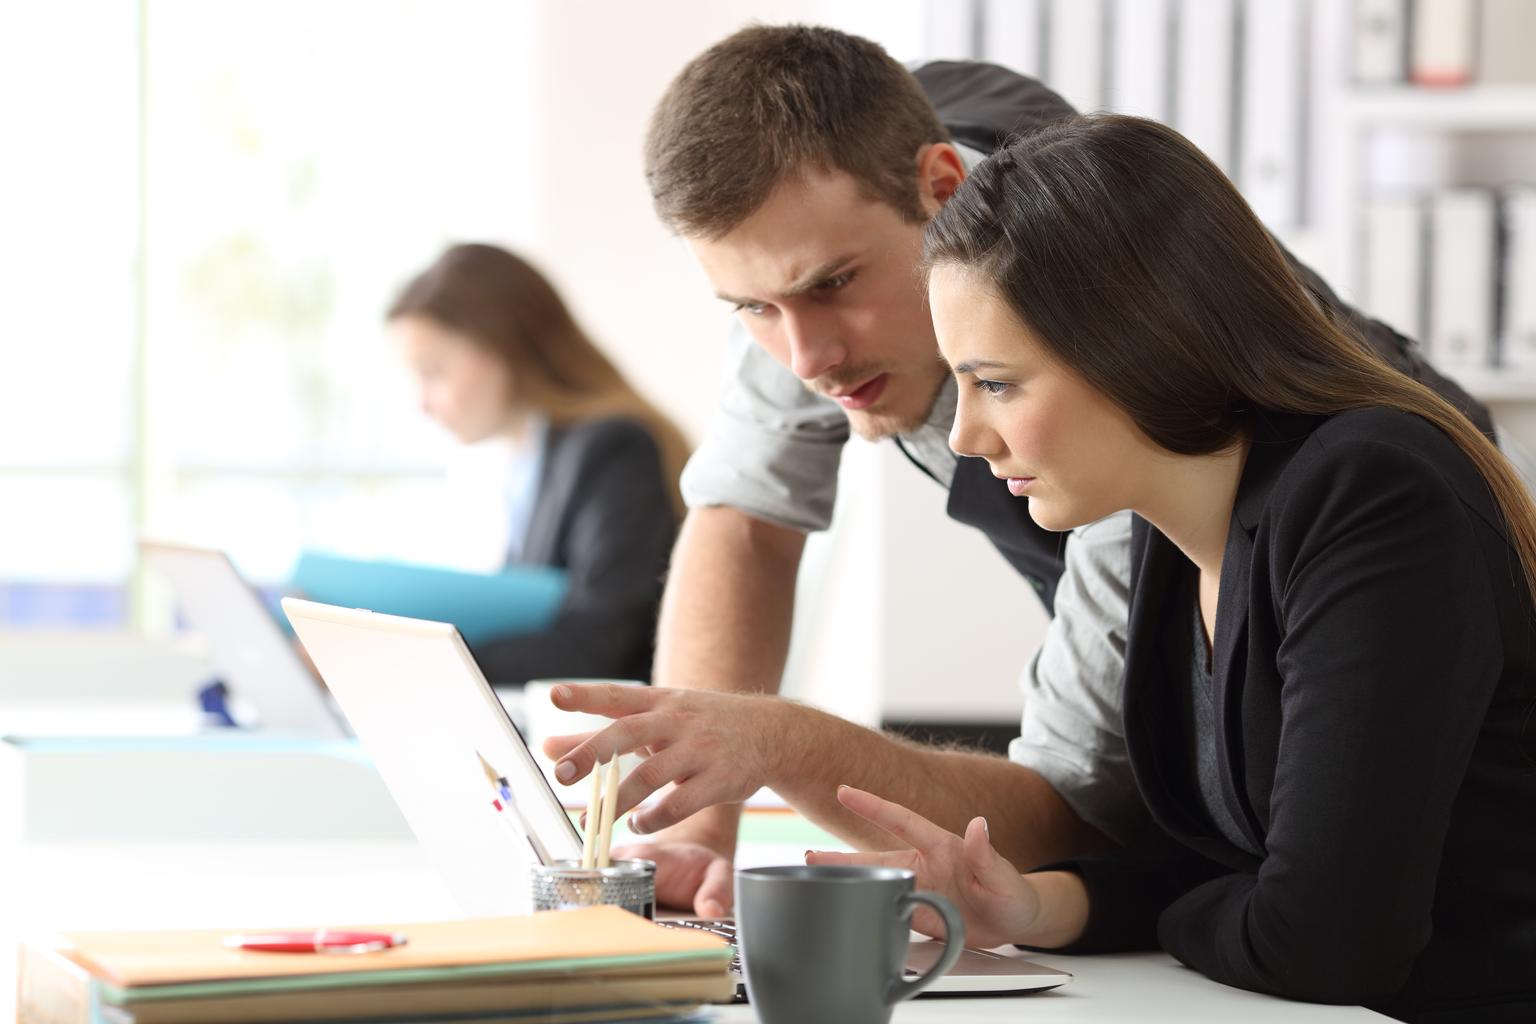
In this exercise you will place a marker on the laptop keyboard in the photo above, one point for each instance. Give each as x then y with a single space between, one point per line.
726 929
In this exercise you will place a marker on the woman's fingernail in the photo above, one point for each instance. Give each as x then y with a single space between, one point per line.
843 787
561 693
565 771
986 829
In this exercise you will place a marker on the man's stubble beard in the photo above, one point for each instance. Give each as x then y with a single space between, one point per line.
878 427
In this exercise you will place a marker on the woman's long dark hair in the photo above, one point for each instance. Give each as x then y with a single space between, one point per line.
501 303
1136 262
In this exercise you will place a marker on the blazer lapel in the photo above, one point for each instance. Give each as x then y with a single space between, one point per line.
543 536
1229 666
1153 731
1157 738
1275 439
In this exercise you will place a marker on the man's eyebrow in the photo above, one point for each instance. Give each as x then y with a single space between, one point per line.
813 278
972 365
807 282
733 300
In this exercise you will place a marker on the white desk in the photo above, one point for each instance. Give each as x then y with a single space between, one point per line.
164 886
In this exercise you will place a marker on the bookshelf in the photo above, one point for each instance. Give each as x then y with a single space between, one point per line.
1356 116
1471 108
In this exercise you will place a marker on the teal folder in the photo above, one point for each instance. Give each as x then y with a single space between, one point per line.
484 606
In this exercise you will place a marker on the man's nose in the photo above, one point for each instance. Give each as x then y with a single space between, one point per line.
813 348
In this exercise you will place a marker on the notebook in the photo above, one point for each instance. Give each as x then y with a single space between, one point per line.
597 963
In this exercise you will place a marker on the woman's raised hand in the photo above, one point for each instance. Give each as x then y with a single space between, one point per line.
999 905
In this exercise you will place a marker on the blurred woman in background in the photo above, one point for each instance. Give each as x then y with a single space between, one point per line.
593 489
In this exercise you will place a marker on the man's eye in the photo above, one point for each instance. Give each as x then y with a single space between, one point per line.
832 284
754 308
992 387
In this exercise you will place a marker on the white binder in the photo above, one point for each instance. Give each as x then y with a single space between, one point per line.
1013 35
1075 60
1142 49
951 29
1506 50
1380 41
1204 81
1443 36
1269 166
1519 280
1394 270
1461 279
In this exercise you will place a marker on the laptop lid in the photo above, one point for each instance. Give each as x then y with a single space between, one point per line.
250 650
424 712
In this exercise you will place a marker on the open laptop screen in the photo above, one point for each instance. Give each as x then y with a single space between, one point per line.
424 712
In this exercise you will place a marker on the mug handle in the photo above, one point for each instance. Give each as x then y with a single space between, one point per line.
954 942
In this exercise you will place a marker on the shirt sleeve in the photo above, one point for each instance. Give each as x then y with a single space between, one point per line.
773 447
1071 732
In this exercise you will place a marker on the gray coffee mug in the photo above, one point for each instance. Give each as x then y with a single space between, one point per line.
829 943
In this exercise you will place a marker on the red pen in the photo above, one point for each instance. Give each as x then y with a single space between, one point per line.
323 940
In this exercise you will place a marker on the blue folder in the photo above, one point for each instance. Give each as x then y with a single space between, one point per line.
484 606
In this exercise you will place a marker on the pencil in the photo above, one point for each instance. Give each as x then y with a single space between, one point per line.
505 802
590 829
610 805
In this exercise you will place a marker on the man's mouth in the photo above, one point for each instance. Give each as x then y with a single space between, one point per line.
864 395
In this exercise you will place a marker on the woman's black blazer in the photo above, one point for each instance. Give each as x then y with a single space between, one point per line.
605 514
1375 692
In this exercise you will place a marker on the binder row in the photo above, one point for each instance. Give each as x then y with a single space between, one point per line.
1457 269
1231 75
1444 42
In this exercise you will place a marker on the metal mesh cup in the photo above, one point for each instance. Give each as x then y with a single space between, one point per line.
630 884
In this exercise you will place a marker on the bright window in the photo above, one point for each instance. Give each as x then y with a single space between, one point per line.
299 161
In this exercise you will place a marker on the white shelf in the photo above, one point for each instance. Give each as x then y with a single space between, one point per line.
1470 108
1492 385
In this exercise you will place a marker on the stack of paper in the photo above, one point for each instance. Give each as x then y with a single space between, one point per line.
598 963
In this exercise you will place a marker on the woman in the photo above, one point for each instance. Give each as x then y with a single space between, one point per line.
496 352
1331 659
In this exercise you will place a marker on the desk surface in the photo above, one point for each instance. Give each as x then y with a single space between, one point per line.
172 886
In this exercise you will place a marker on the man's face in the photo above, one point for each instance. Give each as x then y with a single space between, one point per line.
825 280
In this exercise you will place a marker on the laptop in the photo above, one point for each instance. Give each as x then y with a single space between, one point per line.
251 652
424 712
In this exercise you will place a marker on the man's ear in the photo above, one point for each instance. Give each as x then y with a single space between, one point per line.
939 172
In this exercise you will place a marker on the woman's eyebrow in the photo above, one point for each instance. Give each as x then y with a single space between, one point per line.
972 365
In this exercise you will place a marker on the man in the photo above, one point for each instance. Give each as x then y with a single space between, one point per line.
801 164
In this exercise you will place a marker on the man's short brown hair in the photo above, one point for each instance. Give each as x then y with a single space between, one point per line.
770 102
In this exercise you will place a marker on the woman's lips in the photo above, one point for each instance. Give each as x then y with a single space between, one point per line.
1017 485
865 394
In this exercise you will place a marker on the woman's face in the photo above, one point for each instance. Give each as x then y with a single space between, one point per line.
1058 441
462 386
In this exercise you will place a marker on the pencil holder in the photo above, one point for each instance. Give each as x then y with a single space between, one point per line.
565 884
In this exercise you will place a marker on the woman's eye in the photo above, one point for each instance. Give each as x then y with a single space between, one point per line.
992 387
754 308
